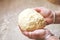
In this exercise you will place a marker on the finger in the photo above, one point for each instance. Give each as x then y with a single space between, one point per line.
42 10
20 28
48 21
45 12
22 31
28 34
37 34
37 9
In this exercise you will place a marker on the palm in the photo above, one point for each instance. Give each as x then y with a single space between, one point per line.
37 34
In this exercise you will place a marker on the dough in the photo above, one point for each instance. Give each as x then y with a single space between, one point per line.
30 20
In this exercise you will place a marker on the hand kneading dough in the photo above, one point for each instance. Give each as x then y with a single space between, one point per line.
30 20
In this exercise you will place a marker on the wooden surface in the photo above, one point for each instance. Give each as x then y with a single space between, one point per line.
9 10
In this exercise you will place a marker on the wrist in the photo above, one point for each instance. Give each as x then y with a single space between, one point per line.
53 17
52 38
57 17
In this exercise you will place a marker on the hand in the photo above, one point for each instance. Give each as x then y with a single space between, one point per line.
41 33
37 34
46 13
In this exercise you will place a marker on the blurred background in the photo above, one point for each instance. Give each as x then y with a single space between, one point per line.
9 10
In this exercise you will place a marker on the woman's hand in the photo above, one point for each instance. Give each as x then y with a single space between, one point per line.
41 33
46 13
37 34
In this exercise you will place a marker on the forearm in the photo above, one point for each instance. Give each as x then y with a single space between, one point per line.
57 17
49 37
52 38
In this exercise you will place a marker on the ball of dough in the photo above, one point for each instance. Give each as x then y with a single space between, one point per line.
30 20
